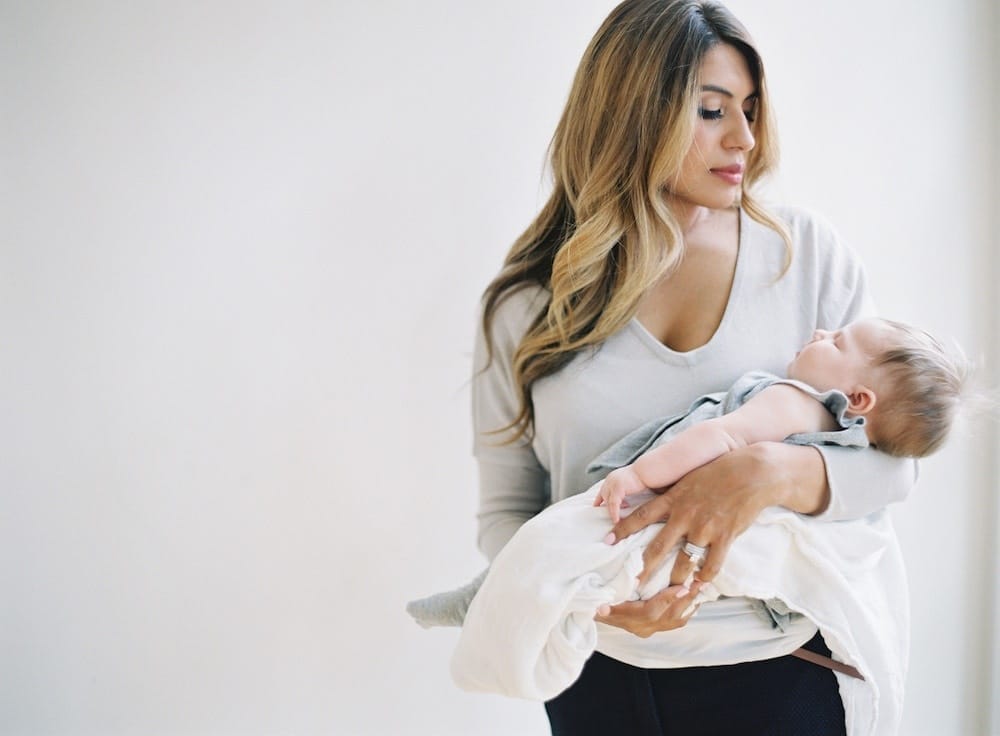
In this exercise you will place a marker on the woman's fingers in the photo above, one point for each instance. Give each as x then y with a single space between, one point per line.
655 510
677 529
714 558
665 610
660 547
685 566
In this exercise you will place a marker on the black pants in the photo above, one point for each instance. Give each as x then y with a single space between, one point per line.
773 697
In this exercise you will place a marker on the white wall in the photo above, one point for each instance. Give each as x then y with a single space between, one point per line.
241 245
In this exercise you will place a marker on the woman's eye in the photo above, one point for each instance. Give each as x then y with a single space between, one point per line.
710 114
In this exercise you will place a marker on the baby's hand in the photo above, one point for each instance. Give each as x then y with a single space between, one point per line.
619 484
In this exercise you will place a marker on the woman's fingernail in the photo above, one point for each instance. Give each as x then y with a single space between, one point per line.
610 539
604 610
683 591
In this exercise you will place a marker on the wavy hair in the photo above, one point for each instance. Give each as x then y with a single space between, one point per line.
606 233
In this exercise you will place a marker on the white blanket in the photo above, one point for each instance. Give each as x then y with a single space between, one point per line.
530 628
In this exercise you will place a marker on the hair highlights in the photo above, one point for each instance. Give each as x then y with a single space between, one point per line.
607 234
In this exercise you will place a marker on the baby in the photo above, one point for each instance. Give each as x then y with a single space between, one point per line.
897 379
528 622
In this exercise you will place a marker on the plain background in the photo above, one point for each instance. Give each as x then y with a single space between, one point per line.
241 248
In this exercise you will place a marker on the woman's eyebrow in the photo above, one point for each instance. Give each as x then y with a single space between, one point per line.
715 88
726 92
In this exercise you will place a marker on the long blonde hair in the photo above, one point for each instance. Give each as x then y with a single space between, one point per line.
607 234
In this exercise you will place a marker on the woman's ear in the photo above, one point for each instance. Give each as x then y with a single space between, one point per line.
861 400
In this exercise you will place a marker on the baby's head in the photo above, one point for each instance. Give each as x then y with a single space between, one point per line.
899 378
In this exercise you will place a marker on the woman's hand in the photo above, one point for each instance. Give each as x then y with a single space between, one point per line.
713 505
669 609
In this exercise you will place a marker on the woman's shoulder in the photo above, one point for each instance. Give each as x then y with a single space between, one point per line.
814 237
805 221
516 309
824 267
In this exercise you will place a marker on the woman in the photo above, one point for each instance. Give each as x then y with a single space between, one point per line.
650 277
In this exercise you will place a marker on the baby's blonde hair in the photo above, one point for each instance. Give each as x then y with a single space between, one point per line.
921 391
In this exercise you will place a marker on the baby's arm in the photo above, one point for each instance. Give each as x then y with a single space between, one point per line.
772 415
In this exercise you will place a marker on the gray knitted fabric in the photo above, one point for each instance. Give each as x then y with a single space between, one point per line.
448 608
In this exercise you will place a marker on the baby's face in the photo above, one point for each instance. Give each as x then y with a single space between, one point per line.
840 359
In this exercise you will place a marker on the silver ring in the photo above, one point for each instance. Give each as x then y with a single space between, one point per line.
695 551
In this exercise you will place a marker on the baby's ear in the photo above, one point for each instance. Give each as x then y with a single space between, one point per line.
861 400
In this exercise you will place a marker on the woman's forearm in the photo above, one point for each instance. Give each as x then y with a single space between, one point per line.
509 495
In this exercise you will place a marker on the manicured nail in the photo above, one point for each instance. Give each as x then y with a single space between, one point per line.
604 610
683 591
610 539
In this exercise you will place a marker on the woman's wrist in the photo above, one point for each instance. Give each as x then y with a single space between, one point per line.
799 476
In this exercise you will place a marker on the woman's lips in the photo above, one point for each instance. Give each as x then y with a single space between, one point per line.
729 174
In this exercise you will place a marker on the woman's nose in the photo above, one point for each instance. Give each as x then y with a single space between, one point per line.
740 135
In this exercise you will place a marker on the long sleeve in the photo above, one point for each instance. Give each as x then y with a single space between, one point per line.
863 481
513 486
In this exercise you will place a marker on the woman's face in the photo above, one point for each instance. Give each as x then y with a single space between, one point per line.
712 172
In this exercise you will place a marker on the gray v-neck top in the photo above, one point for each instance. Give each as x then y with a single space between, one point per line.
604 394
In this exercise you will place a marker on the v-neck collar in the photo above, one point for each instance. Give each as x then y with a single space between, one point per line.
692 356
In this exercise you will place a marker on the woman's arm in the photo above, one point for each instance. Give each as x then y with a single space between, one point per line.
509 495
513 486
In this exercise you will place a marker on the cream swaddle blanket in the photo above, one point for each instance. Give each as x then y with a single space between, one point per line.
531 628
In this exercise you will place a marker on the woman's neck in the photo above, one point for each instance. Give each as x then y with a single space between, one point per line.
703 226
695 219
